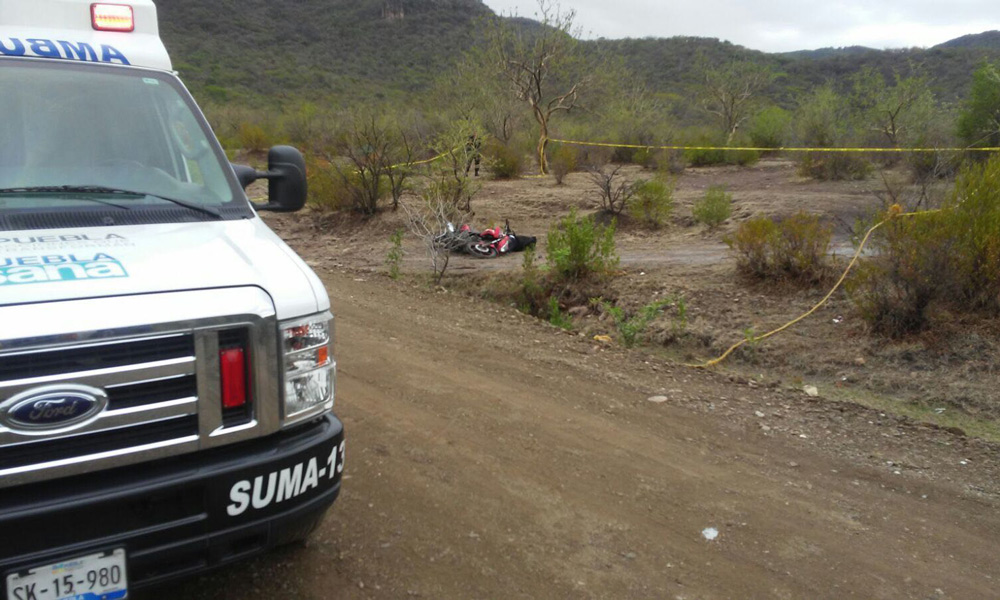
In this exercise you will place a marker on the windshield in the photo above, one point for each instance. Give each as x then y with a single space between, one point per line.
91 131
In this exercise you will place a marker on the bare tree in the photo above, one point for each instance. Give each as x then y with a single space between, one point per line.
399 172
445 199
536 64
613 190
731 92
377 163
428 218
449 175
894 112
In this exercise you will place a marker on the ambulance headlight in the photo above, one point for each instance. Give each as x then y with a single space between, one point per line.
310 371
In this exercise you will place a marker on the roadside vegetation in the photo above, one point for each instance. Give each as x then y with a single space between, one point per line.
408 164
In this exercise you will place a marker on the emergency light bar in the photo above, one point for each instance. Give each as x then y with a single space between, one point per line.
112 17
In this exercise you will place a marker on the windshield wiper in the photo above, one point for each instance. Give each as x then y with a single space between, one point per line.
65 189
100 189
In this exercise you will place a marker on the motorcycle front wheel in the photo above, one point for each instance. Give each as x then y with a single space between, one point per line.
479 250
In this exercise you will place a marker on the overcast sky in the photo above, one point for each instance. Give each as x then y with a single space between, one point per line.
780 25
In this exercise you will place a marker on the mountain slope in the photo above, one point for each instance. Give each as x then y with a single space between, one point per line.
344 48
987 39
351 51
671 64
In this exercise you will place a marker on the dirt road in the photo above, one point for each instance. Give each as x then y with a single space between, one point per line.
491 456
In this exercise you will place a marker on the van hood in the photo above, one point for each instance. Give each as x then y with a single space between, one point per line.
69 264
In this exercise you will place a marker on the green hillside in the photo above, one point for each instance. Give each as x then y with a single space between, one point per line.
670 64
987 39
345 52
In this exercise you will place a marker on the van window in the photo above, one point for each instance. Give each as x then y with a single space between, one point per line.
81 125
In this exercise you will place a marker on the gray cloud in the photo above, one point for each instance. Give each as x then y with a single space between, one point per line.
780 25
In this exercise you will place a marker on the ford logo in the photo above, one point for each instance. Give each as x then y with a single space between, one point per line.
52 409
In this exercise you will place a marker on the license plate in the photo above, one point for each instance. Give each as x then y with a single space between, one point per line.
93 577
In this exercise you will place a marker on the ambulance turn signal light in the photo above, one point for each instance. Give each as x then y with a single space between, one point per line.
112 17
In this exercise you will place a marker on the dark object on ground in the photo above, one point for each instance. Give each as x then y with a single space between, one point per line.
490 243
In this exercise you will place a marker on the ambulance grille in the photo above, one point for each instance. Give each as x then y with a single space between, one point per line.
160 393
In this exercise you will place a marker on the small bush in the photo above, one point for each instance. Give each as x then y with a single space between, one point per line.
505 160
950 257
253 137
394 258
794 249
894 290
743 158
706 153
770 127
835 166
653 202
613 190
714 208
593 157
362 190
671 162
326 189
754 242
579 248
531 289
631 327
710 151
644 157
563 162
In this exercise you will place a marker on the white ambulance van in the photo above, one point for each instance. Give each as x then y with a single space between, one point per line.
166 366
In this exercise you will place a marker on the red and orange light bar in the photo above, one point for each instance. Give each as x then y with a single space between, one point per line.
112 17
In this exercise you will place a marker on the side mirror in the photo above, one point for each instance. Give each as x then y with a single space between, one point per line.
286 175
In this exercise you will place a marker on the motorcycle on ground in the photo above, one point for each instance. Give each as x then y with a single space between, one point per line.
490 243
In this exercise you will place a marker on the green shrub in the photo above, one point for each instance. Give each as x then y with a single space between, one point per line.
714 208
770 127
802 247
743 158
977 123
394 258
631 327
894 290
326 190
653 202
644 157
753 242
253 137
710 151
563 162
671 162
835 166
505 160
532 292
706 152
951 258
579 248
794 249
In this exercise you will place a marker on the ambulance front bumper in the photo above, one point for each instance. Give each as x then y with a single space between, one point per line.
181 516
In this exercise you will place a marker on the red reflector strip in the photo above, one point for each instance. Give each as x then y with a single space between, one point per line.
112 17
233 373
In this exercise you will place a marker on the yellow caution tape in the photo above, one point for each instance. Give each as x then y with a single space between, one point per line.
894 213
781 149
421 162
